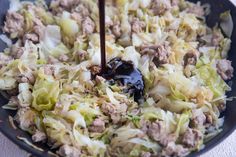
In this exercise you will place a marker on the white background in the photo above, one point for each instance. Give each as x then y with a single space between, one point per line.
226 149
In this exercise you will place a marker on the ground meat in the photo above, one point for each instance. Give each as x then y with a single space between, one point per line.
14 101
69 151
79 13
52 60
165 139
49 70
32 37
196 10
38 22
198 118
221 106
175 2
88 25
39 31
145 154
14 23
39 136
209 119
174 150
157 131
26 78
116 29
22 79
137 25
25 118
161 53
192 137
95 69
5 59
108 108
116 112
63 58
59 5
81 55
77 17
190 58
98 125
159 7
217 37
82 10
16 51
225 69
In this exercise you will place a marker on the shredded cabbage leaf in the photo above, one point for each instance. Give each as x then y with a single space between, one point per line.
51 71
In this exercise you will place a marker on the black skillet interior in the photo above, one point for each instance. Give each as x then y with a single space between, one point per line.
217 7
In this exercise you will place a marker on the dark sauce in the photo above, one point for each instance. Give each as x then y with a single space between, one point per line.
117 70
101 4
124 73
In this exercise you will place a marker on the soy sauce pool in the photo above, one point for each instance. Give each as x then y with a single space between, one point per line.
124 73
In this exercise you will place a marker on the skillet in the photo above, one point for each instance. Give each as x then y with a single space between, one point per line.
217 7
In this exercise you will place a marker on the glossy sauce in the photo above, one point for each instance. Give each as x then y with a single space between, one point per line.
122 72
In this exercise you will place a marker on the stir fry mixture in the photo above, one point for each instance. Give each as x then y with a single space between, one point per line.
49 74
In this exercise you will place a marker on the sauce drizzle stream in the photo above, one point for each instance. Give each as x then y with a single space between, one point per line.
101 4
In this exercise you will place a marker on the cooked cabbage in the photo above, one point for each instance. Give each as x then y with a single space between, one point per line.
49 75
45 93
